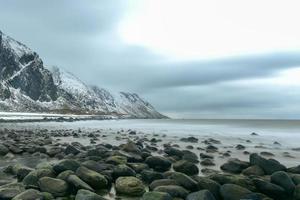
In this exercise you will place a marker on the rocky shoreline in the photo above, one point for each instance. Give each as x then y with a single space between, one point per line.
55 164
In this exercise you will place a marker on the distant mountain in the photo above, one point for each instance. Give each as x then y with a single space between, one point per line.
27 85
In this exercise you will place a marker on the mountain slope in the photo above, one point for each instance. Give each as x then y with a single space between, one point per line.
27 85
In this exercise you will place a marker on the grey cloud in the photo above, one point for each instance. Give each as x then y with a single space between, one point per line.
81 36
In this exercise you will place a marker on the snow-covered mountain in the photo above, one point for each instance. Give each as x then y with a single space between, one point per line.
26 84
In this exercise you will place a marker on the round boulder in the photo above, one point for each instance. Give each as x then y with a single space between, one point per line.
130 186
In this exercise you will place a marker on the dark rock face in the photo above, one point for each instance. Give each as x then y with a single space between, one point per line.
28 85
24 70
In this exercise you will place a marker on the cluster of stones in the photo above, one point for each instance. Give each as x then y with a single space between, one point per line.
138 170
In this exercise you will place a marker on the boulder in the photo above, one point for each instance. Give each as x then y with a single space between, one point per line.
186 167
201 195
158 163
172 151
283 180
11 190
29 195
173 190
234 166
253 170
70 149
162 182
185 181
297 193
270 189
130 186
87 195
92 178
31 180
205 183
156 196
122 170
149 176
56 187
268 165
76 182
294 170
3 150
233 192
67 164
116 160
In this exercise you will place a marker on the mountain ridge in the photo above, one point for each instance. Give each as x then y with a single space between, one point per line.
26 84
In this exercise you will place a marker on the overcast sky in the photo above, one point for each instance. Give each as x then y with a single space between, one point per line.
189 58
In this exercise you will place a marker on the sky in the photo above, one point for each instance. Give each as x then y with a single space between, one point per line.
188 58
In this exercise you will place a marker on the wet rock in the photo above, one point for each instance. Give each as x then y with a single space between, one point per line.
66 164
149 176
87 195
268 165
173 190
29 195
3 150
185 181
131 147
11 190
78 183
296 179
240 147
254 134
270 189
207 162
162 182
233 192
211 149
295 170
156 196
282 179
158 163
70 149
189 139
130 186
96 166
233 179
201 195
205 155
122 170
296 195
205 183
116 160
265 153
186 167
138 167
172 151
253 170
92 178
31 180
234 166
65 174
56 187
22 172
190 156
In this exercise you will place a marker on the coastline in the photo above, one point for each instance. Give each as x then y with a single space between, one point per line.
221 159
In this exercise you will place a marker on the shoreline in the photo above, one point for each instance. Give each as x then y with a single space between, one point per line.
171 160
